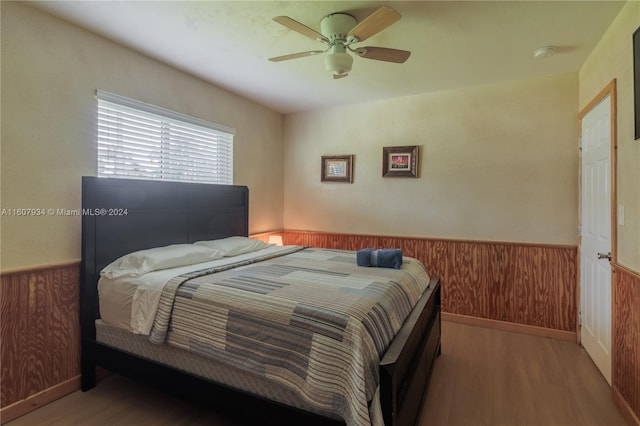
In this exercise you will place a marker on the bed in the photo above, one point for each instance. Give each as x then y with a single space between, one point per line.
121 216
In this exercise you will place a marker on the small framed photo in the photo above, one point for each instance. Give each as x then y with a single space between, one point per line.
636 80
337 168
400 161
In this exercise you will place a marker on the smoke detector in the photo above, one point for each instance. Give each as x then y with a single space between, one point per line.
544 52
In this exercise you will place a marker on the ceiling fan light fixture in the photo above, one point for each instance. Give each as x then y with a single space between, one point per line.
338 61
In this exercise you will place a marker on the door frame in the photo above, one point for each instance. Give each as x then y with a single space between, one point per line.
608 90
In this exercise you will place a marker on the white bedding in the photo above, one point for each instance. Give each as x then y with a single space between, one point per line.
131 302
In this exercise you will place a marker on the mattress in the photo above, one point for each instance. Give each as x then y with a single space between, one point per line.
207 368
306 327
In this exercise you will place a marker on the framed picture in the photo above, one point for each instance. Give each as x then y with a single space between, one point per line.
337 168
400 161
636 79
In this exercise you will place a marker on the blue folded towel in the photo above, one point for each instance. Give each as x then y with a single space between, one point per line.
363 257
383 258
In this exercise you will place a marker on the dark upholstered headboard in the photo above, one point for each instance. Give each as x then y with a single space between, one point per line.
124 215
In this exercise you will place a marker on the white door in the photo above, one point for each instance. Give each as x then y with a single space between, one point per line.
595 222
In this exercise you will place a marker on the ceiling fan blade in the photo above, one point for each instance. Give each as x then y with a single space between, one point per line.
374 23
336 76
383 54
294 25
295 55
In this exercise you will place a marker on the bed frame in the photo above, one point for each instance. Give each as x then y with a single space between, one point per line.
123 215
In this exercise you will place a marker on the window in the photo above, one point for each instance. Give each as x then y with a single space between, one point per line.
138 140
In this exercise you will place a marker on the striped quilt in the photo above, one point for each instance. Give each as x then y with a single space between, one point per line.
309 319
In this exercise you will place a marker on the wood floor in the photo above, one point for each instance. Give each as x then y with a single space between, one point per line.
483 377
488 377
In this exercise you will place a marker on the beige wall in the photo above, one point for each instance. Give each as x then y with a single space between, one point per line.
50 71
498 162
612 59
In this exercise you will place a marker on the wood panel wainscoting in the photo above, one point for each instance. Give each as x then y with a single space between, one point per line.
530 288
40 346
518 287
626 342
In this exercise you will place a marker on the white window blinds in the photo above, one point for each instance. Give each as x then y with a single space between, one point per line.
138 140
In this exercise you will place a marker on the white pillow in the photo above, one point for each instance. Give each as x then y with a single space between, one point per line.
233 246
143 261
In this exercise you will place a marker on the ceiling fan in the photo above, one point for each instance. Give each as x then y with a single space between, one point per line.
339 31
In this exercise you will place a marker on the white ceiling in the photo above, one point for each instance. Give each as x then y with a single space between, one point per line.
453 43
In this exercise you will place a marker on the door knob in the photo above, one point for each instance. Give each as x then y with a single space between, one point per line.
604 256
